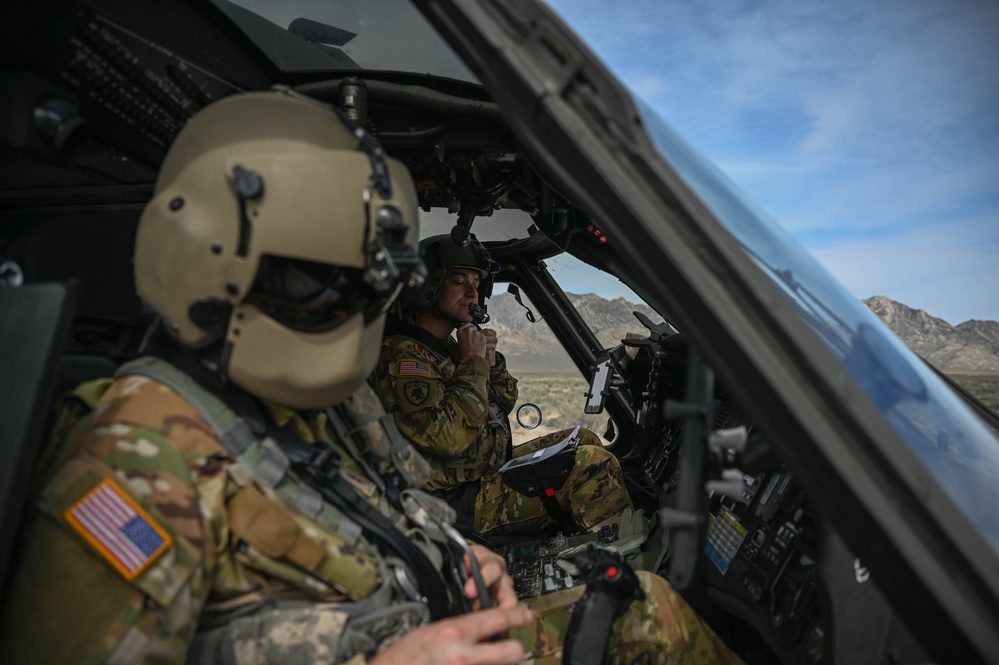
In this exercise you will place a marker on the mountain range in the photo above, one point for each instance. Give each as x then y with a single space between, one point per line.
970 346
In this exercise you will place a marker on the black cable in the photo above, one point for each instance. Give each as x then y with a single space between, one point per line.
322 469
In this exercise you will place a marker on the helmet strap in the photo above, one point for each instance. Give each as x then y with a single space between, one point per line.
440 314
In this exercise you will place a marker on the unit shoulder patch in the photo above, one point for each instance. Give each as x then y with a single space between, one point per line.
426 353
118 528
416 392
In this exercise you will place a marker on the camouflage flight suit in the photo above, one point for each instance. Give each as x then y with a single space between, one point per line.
455 411
137 457
221 554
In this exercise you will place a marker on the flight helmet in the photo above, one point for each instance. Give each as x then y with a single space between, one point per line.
440 253
280 236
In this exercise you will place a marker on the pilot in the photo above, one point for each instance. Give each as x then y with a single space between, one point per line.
448 387
212 503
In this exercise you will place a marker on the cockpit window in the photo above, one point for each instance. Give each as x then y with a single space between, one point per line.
388 35
959 451
603 301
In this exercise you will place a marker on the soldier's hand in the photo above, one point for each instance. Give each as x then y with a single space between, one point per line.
494 574
491 338
463 639
471 341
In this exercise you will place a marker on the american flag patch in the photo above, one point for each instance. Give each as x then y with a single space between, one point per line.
118 528
414 368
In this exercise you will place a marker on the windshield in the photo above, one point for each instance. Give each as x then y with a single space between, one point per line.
954 446
323 35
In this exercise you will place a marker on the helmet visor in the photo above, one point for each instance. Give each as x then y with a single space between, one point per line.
311 297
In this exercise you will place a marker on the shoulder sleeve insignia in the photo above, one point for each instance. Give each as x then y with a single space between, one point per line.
416 392
118 528
414 368
426 353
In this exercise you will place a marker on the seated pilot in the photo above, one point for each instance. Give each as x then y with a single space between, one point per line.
448 387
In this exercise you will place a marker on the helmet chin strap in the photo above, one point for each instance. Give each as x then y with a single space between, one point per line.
443 316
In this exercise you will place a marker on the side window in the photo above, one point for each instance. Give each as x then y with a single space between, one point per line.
545 374
603 301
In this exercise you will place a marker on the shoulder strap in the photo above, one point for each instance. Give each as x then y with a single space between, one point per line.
322 471
269 460
242 437
378 431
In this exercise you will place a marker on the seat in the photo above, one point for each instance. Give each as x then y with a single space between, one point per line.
35 324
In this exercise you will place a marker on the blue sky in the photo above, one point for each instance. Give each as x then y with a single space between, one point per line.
868 129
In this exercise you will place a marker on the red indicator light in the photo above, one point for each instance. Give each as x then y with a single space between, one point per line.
612 572
596 233
549 492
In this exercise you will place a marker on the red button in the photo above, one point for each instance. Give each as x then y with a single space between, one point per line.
549 492
612 572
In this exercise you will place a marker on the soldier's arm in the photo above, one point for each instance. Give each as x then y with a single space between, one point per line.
462 639
104 575
442 417
504 384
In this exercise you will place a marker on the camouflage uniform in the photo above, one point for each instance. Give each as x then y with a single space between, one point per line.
227 543
455 411
663 627
231 572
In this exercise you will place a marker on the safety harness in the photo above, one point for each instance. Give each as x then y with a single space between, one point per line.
465 471
306 476
541 475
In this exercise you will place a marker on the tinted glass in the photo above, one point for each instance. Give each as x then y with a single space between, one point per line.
954 445
308 35
308 296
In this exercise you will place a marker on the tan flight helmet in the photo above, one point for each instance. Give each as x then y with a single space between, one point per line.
281 234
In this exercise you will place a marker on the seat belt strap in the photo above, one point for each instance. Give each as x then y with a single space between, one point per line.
264 461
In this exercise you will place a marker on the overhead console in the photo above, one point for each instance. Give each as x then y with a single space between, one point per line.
80 71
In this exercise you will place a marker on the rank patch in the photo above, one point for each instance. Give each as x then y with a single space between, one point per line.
416 392
414 368
118 528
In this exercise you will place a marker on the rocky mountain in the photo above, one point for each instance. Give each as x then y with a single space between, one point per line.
533 344
970 346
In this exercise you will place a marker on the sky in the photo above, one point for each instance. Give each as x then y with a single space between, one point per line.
868 129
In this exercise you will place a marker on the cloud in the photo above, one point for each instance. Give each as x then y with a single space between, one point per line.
950 272
649 85
869 130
